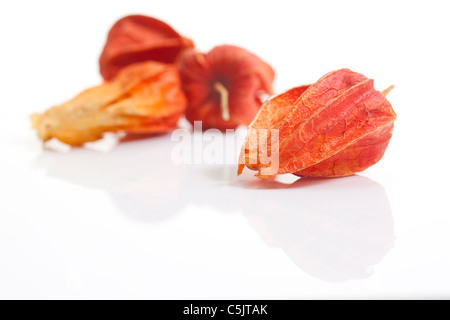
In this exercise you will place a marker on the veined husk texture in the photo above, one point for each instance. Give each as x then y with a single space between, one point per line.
336 127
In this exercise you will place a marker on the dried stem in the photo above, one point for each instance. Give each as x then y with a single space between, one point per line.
224 105
386 92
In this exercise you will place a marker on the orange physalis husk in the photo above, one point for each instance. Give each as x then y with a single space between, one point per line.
143 98
137 39
336 127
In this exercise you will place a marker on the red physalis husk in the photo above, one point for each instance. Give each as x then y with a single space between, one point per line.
224 87
336 127
139 38
144 98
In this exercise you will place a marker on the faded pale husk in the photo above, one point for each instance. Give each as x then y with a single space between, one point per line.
143 98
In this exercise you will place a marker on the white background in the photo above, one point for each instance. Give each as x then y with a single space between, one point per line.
128 223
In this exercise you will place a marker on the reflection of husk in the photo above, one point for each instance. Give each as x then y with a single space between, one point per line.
334 230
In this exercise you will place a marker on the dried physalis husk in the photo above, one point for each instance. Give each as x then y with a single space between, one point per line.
143 98
139 38
224 87
336 127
